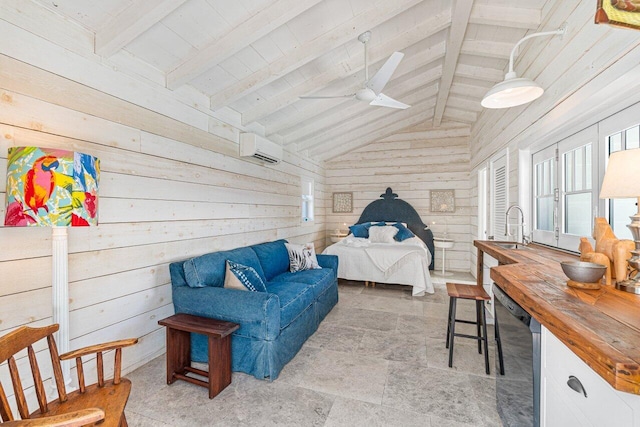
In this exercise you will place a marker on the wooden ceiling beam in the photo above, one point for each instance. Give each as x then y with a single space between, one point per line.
382 129
259 25
480 73
461 12
487 48
129 24
343 69
505 16
378 12
445 131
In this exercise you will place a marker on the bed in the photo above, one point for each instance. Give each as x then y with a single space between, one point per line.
406 263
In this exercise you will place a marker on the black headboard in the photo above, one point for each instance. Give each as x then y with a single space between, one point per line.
392 209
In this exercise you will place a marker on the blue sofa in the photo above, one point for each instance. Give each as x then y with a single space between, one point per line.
273 325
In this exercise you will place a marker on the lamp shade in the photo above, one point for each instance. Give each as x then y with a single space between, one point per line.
511 92
621 177
49 187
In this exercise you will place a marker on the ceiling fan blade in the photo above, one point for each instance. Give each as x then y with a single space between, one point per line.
328 97
383 100
382 77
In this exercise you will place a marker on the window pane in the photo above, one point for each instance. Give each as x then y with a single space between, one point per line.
632 138
568 171
587 168
621 210
544 213
578 214
538 179
579 169
615 143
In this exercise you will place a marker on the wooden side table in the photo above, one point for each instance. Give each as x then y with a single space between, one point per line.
179 329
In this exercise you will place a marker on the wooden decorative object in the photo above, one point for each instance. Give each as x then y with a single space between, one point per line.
618 251
343 202
580 285
77 408
621 13
588 254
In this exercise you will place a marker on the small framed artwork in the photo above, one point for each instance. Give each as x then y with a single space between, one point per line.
621 13
443 200
343 202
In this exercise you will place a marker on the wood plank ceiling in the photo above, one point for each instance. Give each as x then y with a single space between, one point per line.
258 57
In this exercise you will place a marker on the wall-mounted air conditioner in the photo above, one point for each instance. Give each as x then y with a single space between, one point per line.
256 146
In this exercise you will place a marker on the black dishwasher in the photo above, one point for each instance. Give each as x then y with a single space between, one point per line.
518 390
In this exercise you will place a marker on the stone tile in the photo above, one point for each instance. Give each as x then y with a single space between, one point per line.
403 347
363 319
137 420
332 336
355 377
353 413
247 401
465 357
444 394
384 304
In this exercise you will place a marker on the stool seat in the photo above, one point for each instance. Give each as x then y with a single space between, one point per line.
473 292
479 295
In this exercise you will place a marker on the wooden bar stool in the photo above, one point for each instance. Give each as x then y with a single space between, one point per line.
478 294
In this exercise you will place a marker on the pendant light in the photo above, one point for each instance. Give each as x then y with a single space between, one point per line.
516 90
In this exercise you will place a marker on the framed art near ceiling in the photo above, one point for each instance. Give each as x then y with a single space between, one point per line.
621 13
443 200
343 202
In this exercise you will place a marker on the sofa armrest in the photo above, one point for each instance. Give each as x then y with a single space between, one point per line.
257 313
329 261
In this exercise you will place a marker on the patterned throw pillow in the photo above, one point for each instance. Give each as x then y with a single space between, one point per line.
302 257
242 277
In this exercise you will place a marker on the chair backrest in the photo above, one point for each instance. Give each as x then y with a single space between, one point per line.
13 343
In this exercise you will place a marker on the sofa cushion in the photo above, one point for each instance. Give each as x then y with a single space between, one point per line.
294 297
243 278
273 257
320 280
209 269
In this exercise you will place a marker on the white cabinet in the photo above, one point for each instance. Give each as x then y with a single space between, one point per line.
487 262
599 404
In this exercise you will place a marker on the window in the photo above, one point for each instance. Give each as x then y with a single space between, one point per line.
564 191
306 188
619 132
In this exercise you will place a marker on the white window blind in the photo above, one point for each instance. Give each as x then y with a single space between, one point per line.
499 196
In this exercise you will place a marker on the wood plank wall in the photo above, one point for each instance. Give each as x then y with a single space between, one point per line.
588 74
412 163
172 187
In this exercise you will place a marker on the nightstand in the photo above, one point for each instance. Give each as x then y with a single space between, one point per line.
444 244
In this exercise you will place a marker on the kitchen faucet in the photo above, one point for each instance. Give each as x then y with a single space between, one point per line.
522 224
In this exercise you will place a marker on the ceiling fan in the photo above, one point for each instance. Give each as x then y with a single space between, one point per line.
372 90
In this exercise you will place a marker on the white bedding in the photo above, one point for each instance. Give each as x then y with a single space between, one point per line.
405 263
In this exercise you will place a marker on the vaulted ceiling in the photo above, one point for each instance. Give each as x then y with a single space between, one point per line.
258 57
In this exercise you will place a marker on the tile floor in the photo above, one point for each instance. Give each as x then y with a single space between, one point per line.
378 359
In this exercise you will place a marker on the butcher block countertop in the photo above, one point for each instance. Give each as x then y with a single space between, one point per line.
601 326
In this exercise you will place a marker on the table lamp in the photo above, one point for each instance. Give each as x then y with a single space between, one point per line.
59 189
620 182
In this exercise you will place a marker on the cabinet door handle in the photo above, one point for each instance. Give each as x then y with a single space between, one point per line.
576 385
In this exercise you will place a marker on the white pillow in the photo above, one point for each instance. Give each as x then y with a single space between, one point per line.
382 234
302 257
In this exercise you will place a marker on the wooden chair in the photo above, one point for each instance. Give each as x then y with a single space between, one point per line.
103 402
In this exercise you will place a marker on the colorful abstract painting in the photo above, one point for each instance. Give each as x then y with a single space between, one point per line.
621 13
50 187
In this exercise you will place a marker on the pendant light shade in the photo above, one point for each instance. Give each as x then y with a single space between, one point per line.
514 90
511 92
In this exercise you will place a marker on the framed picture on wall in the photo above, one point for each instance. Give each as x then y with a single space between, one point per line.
343 202
621 13
443 200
